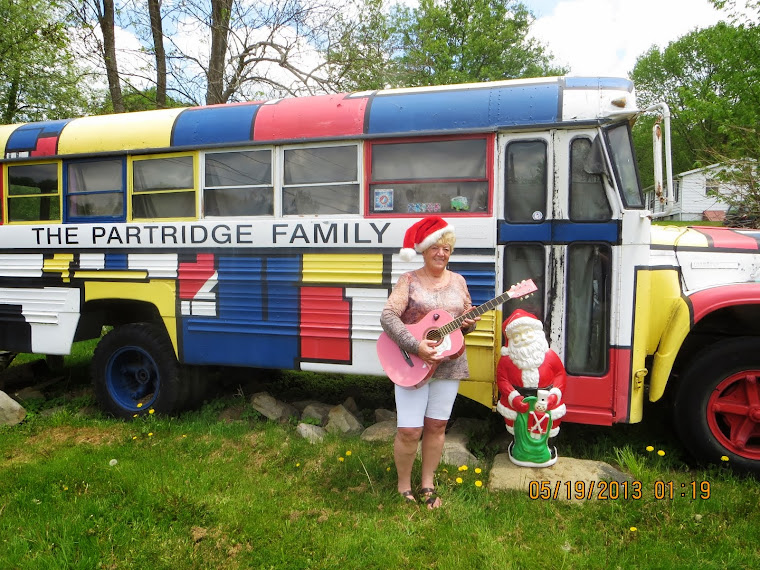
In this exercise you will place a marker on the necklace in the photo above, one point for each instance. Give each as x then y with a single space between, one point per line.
435 282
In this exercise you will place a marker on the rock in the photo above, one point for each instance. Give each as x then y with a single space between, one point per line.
381 431
313 433
231 414
342 421
383 415
11 412
28 393
505 475
273 409
351 406
457 454
316 411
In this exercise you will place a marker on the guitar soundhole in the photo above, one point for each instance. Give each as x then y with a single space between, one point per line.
433 335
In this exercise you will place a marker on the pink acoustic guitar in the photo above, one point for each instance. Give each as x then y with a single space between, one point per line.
409 370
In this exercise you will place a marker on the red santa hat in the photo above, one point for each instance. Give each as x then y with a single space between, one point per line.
422 235
520 318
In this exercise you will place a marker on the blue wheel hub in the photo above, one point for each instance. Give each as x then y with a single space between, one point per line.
133 378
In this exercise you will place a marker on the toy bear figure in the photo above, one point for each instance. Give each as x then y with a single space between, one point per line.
531 379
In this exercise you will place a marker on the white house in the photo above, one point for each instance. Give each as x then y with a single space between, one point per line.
695 195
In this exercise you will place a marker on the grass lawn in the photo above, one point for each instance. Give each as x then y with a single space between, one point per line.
81 490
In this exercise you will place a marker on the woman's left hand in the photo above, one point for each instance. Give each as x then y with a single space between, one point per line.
467 324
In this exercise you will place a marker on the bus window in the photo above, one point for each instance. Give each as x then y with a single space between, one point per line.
588 201
525 182
95 190
163 187
624 163
238 183
588 308
429 177
525 261
33 193
320 180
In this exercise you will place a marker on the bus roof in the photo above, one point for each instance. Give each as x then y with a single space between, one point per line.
518 103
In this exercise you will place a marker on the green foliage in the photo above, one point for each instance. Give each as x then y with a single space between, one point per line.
136 100
39 78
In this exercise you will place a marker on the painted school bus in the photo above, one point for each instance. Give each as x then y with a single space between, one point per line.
266 234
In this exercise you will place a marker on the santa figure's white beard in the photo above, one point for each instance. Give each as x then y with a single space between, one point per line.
528 358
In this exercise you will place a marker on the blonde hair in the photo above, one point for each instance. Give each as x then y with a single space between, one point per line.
449 239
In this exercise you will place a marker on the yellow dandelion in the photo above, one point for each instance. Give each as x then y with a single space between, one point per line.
650 448
348 453
459 481
134 415
478 483
298 464
150 434
139 405
724 458
341 459
634 529
478 470
184 435
463 468
445 470
660 452
387 468
151 411
134 437
65 488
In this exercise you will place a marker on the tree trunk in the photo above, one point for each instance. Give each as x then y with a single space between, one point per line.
106 21
220 24
156 28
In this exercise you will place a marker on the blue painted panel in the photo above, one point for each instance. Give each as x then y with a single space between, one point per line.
567 232
524 232
480 277
116 261
258 321
211 125
25 137
464 108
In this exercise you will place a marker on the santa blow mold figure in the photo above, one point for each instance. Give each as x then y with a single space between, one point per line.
531 379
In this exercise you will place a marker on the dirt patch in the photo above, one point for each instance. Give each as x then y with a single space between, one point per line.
55 438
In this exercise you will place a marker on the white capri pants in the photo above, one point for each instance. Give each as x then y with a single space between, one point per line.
433 400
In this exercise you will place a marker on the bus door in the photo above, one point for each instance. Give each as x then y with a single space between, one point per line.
559 227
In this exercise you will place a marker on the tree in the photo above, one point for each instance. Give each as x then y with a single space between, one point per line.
458 41
38 78
710 79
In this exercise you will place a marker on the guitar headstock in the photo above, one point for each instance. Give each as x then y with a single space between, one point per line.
522 289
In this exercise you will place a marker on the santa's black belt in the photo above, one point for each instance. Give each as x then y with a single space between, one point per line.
528 392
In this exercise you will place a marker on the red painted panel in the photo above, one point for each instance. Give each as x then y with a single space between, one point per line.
325 325
192 276
600 400
310 117
45 146
729 239
709 300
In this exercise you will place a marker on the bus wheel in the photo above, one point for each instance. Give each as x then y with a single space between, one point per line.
135 370
717 408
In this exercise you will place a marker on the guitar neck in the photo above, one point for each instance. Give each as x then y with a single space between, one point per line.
476 312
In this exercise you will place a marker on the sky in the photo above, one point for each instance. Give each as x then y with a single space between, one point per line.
605 37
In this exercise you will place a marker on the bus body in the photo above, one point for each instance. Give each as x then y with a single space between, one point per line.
266 234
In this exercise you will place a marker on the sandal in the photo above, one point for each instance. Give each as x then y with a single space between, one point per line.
432 500
408 496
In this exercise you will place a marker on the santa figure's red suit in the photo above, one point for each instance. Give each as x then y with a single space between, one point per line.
528 367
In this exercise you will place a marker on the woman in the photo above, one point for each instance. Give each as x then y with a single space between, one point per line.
425 411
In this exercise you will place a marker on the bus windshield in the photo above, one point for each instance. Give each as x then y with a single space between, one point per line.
624 163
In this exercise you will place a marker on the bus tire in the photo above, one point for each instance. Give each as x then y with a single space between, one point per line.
717 406
134 370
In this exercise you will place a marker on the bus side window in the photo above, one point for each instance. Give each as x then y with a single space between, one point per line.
33 193
238 183
588 201
588 308
95 189
424 177
163 187
525 182
525 261
321 180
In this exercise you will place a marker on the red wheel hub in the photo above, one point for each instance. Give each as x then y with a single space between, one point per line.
733 413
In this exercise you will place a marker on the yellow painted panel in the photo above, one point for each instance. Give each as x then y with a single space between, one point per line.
161 293
481 392
669 235
5 134
111 275
343 268
59 263
119 132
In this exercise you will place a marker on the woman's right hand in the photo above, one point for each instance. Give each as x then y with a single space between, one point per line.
428 352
